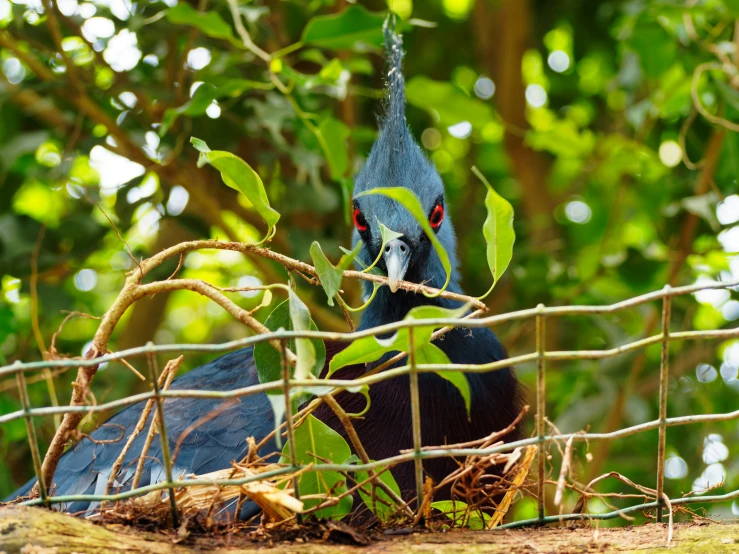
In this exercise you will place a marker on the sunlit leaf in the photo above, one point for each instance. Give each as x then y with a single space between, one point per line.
196 106
304 348
199 145
335 133
562 138
314 442
406 198
449 104
209 23
656 48
329 275
498 231
267 358
344 30
387 235
239 175
370 349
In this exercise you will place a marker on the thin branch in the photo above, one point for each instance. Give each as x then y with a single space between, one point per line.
244 34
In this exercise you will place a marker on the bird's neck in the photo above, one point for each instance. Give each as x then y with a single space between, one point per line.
389 307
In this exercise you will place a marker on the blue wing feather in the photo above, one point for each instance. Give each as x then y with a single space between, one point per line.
85 468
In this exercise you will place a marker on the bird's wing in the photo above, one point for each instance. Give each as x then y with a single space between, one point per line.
208 444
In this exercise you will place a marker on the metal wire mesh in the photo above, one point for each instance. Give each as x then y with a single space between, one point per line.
541 314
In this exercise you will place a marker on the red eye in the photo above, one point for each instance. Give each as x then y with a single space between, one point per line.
437 216
359 220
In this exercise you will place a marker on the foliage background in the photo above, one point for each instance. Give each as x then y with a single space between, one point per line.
580 113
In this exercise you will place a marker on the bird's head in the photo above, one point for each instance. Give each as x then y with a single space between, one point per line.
397 161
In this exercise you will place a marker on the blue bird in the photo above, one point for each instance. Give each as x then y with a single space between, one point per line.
496 398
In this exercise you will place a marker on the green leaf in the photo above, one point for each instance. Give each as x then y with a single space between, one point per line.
449 104
733 7
334 134
382 511
563 139
369 349
209 23
331 72
199 144
304 348
196 106
267 358
349 255
315 440
461 515
204 96
657 49
410 202
329 275
346 29
387 236
498 231
239 175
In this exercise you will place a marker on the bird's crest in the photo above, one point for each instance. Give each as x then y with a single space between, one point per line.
396 160
395 112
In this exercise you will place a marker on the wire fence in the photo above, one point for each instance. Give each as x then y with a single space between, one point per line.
540 356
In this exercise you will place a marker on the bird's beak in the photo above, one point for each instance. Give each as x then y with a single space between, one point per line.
397 256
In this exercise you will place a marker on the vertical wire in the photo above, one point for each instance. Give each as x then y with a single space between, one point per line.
163 435
20 378
540 405
416 417
664 373
289 420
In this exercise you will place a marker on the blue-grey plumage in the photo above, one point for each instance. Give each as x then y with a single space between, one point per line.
85 468
395 160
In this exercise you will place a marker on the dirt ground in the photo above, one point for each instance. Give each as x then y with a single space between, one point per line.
36 531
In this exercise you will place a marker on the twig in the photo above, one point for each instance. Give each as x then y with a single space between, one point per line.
484 442
130 367
172 366
566 461
115 228
167 374
70 315
716 120
179 265
346 313
244 34
668 504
